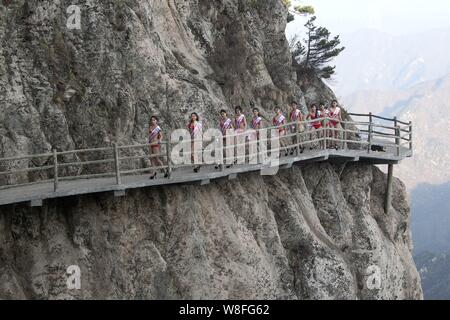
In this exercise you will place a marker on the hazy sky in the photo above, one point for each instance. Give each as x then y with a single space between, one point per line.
392 16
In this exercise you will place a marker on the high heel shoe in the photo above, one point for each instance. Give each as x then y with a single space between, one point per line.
152 177
197 169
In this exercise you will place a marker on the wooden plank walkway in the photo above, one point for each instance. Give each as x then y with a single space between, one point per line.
35 194
356 139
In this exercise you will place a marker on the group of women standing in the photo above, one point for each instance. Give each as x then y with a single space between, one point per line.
316 122
328 117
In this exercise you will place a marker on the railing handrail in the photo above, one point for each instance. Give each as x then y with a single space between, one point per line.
358 130
287 125
377 117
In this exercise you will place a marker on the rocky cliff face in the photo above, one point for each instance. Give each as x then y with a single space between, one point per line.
131 59
317 232
313 232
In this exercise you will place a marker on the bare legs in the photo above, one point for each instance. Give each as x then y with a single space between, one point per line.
314 135
155 160
334 133
195 154
284 144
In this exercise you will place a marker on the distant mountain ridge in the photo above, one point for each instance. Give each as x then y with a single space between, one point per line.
375 60
431 218
409 77
430 227
434 271
427 105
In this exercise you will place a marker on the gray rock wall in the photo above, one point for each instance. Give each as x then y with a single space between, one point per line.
308 233
67 89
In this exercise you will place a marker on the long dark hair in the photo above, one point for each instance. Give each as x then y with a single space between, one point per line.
257 110
196 115
314 105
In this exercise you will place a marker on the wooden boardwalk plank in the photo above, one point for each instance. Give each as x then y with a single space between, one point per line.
41 191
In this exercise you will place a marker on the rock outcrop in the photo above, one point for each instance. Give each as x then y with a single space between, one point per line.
316 232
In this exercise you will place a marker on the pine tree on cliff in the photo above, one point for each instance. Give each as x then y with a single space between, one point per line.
314 54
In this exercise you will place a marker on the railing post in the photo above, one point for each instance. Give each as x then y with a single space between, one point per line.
117 164
224 152
169 159
260 154
369 149
388 195
344 134
397 136
411 137
55 170
298 138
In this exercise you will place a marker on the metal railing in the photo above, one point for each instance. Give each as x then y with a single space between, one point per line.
386 129
391 135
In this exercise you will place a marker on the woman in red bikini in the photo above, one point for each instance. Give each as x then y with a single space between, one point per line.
296 119
314 126
256 123
256 120
240 125
154 139
196 130
324 115
225 125
240 122
280 121
336 118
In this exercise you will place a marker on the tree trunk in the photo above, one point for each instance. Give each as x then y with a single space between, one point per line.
309 48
